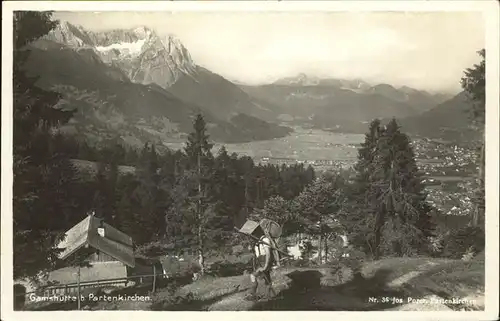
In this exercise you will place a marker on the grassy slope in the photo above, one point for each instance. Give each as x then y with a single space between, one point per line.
328 289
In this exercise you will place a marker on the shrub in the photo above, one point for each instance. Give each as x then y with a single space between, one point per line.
355 259
174 302
436 245
153 249
226 268
302 263
463 240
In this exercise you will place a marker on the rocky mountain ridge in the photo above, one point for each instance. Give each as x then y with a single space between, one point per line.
121 83
140 53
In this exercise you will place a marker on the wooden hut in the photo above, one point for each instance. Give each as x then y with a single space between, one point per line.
108 252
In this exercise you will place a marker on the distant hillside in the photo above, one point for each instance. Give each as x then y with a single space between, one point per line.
449 120
218 95
343 105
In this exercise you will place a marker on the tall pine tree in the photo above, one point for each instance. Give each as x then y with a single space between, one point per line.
392 216
41 177
473 82
151 205
403 224
229 196
200 165
364 193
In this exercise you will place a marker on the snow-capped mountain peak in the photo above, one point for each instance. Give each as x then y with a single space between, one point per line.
140 52
125 48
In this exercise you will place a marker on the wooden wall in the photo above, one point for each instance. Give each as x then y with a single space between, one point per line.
99 256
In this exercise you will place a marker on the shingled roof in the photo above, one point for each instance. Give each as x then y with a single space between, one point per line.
115 243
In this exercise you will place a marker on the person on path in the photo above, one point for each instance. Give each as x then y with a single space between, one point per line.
265 256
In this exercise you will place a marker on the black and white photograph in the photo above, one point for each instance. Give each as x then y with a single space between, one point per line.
174 159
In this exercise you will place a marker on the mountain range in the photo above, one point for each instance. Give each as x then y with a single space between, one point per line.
139 86
340 104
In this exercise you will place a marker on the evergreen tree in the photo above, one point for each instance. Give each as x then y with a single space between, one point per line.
181 223
42 177
246 170
392 216
366 154
364 193
198 149
403 224
310 175
152 204
200 164
473 82
229 196
278 209
127 221
99 202
318 206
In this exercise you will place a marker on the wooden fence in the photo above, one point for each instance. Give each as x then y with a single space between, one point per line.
76 287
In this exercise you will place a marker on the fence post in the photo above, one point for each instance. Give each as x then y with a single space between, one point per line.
154 277
78 286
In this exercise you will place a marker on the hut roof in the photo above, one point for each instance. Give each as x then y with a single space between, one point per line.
114 243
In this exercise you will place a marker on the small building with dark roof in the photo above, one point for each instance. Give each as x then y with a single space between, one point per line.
107 252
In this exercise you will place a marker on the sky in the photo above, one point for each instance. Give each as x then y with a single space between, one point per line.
426 50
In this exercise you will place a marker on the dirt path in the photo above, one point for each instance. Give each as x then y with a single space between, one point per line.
381 289
391 285
235 302
405 278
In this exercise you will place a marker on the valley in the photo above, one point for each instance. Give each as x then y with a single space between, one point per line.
302 145
448 168
135 86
